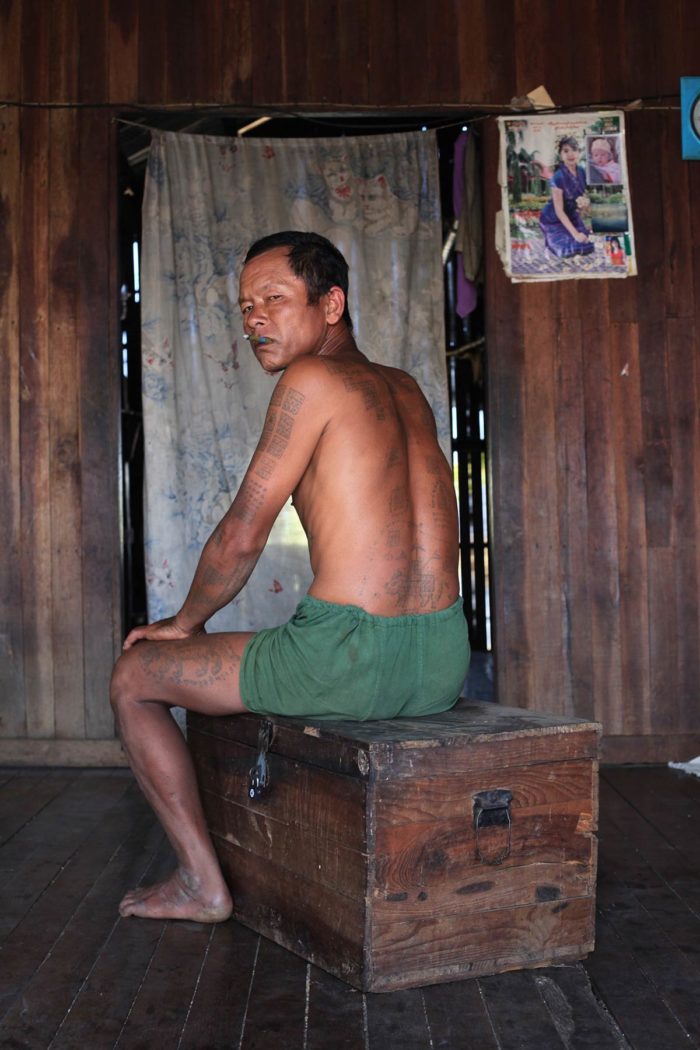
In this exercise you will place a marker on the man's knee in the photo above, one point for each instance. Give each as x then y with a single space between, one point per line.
122 689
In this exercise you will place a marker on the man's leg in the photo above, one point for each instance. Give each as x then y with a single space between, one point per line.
201 674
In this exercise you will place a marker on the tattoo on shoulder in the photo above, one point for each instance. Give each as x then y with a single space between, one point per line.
292 402
370 396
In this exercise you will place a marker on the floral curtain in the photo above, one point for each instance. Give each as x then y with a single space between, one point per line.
204 395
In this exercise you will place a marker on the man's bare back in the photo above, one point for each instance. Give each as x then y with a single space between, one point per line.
354 443
376 500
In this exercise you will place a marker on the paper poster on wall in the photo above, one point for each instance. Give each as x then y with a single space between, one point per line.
566 203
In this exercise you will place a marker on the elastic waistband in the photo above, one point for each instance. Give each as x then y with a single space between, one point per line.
310 602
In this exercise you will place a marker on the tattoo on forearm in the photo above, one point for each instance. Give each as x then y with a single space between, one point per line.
264 466
249 500
277 446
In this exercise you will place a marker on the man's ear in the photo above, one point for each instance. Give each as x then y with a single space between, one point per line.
335 304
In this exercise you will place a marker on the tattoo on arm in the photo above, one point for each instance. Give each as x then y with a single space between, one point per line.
248 501
264 466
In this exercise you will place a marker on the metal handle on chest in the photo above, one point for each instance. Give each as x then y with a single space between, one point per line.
259 775
492 810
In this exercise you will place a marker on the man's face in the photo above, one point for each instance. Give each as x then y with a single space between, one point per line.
275 308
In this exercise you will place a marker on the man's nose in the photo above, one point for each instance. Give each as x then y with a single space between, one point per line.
257 316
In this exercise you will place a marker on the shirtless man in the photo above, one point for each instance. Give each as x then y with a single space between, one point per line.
381 632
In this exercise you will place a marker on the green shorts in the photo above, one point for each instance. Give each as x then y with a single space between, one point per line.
338 661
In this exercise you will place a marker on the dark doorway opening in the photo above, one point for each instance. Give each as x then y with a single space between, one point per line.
465 350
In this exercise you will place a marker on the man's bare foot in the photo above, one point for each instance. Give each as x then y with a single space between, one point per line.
178 897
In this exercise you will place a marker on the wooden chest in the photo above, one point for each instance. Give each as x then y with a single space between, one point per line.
397 854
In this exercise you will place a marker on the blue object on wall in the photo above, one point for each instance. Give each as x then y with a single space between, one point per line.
690 117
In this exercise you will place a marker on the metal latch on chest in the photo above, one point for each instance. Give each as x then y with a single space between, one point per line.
492 810
259 775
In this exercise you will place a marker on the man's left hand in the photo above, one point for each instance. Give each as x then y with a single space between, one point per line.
160 631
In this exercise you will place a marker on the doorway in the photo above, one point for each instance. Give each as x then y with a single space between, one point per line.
465 354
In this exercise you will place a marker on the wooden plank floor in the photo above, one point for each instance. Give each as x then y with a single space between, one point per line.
74 975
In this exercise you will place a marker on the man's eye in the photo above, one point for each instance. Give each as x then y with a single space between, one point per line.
246 309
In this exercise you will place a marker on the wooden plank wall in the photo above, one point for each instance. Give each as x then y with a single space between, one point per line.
593 385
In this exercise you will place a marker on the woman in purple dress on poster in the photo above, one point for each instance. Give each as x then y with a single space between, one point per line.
560 220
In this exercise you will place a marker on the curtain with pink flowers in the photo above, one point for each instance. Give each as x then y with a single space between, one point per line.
204 395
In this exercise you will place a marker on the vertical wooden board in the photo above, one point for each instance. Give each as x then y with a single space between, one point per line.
663 640
152 71
548 675
267 36
35 378
313 30
588 64
302 51
93 76
656 413
353 56
383 53
685 453
63 58
500 48
35 49
11 639
123 50
426 69
178 59
208 47
10 50
687 40
12 722
603 555
644 141
677 288
62 395
628 452
570 429
505 392
238 56
638 54
536 62
472 54
99 416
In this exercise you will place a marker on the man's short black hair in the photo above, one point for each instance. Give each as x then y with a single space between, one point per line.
313 258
